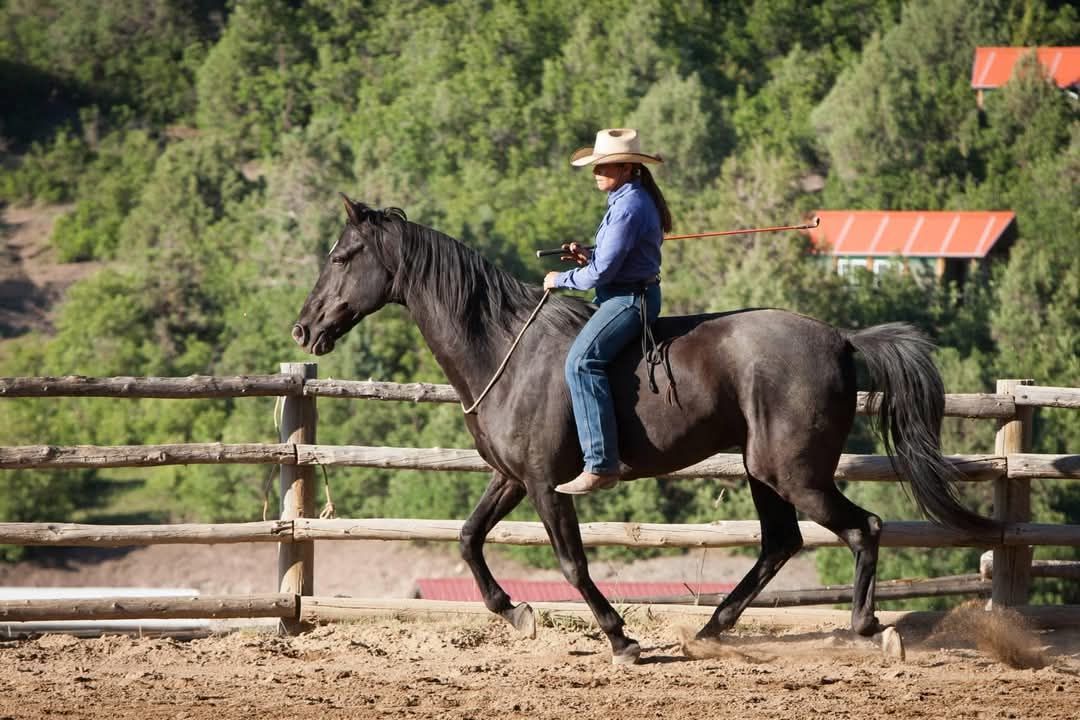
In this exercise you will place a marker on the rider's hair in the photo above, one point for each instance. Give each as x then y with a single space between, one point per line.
653 189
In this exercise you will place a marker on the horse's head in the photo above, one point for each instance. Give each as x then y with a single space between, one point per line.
356 281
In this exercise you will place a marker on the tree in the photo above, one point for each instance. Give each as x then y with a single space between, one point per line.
107 192
135 53
893 124
253 85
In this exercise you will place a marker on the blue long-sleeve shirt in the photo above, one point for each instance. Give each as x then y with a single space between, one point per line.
627 243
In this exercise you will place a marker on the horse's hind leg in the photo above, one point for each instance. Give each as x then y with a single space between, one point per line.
861 531
560 519
502 495
780 539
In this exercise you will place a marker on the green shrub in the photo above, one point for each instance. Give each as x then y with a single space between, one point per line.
107 192
47 173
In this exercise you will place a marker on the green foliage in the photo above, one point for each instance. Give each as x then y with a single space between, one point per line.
252 85
135 53
894 122
107 192
47 173
464 113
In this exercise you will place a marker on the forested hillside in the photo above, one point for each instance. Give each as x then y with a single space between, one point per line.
203 143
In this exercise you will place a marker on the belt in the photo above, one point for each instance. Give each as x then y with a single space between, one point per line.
634 287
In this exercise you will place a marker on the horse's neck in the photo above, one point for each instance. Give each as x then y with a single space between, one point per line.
468 368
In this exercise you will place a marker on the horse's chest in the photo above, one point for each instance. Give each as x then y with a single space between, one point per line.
508 444
488 440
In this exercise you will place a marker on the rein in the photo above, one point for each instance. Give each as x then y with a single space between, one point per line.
472 409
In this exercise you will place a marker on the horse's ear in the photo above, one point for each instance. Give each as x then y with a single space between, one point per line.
350 209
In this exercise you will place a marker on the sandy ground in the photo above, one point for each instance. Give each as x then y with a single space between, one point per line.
478 668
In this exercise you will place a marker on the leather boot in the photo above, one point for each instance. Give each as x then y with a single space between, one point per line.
586 482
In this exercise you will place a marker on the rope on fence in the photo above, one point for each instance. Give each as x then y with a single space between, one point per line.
327 512
279 406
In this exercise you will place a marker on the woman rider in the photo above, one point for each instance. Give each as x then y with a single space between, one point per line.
624 265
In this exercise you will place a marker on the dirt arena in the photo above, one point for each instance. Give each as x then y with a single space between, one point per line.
476 667
479 668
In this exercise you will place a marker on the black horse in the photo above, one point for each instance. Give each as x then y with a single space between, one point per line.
778 385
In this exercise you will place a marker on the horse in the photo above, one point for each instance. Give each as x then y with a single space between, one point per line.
779 386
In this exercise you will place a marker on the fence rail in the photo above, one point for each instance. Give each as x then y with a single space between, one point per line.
280 605
719 534
1010 468
866 468
971 405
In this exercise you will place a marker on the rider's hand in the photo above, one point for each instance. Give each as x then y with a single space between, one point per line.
575 253
549 280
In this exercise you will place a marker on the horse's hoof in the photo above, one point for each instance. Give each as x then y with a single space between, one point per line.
892 645
868 628
702 646
522 618
629 655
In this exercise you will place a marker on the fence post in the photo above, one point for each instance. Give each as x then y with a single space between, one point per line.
296 560
1012 503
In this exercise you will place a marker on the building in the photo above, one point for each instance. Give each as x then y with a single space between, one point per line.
994 66
465 590
947 244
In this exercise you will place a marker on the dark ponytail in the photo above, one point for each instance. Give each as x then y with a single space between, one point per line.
658 197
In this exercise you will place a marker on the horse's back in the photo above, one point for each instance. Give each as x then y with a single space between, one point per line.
727 376
792 377
780 357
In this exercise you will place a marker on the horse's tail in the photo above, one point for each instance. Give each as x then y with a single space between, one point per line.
912 399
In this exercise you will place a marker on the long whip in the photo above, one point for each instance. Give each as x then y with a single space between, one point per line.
717 233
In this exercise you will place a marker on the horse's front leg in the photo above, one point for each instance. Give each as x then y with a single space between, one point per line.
503 494
560 519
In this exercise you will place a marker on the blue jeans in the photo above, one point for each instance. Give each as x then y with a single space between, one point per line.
612 327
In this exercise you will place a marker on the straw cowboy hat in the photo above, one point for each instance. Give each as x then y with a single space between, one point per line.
614 145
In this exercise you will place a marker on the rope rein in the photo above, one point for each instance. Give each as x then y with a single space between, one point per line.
472 409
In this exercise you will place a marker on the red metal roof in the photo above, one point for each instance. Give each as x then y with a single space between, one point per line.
465 589
994 65
910 233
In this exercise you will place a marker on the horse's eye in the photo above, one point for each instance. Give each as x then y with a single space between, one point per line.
338 260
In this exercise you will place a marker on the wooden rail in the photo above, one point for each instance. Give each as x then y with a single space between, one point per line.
78 535
971 405
831 594
277 605
975 468
195 386
1056 397
720 534
724 533
864 468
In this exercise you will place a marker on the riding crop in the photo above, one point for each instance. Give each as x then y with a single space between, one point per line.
718 233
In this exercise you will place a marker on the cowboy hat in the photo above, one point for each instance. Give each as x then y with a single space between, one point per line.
614 145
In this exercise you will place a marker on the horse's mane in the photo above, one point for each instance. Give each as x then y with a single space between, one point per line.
492 304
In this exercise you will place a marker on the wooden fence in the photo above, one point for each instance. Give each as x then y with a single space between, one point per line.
1010 468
